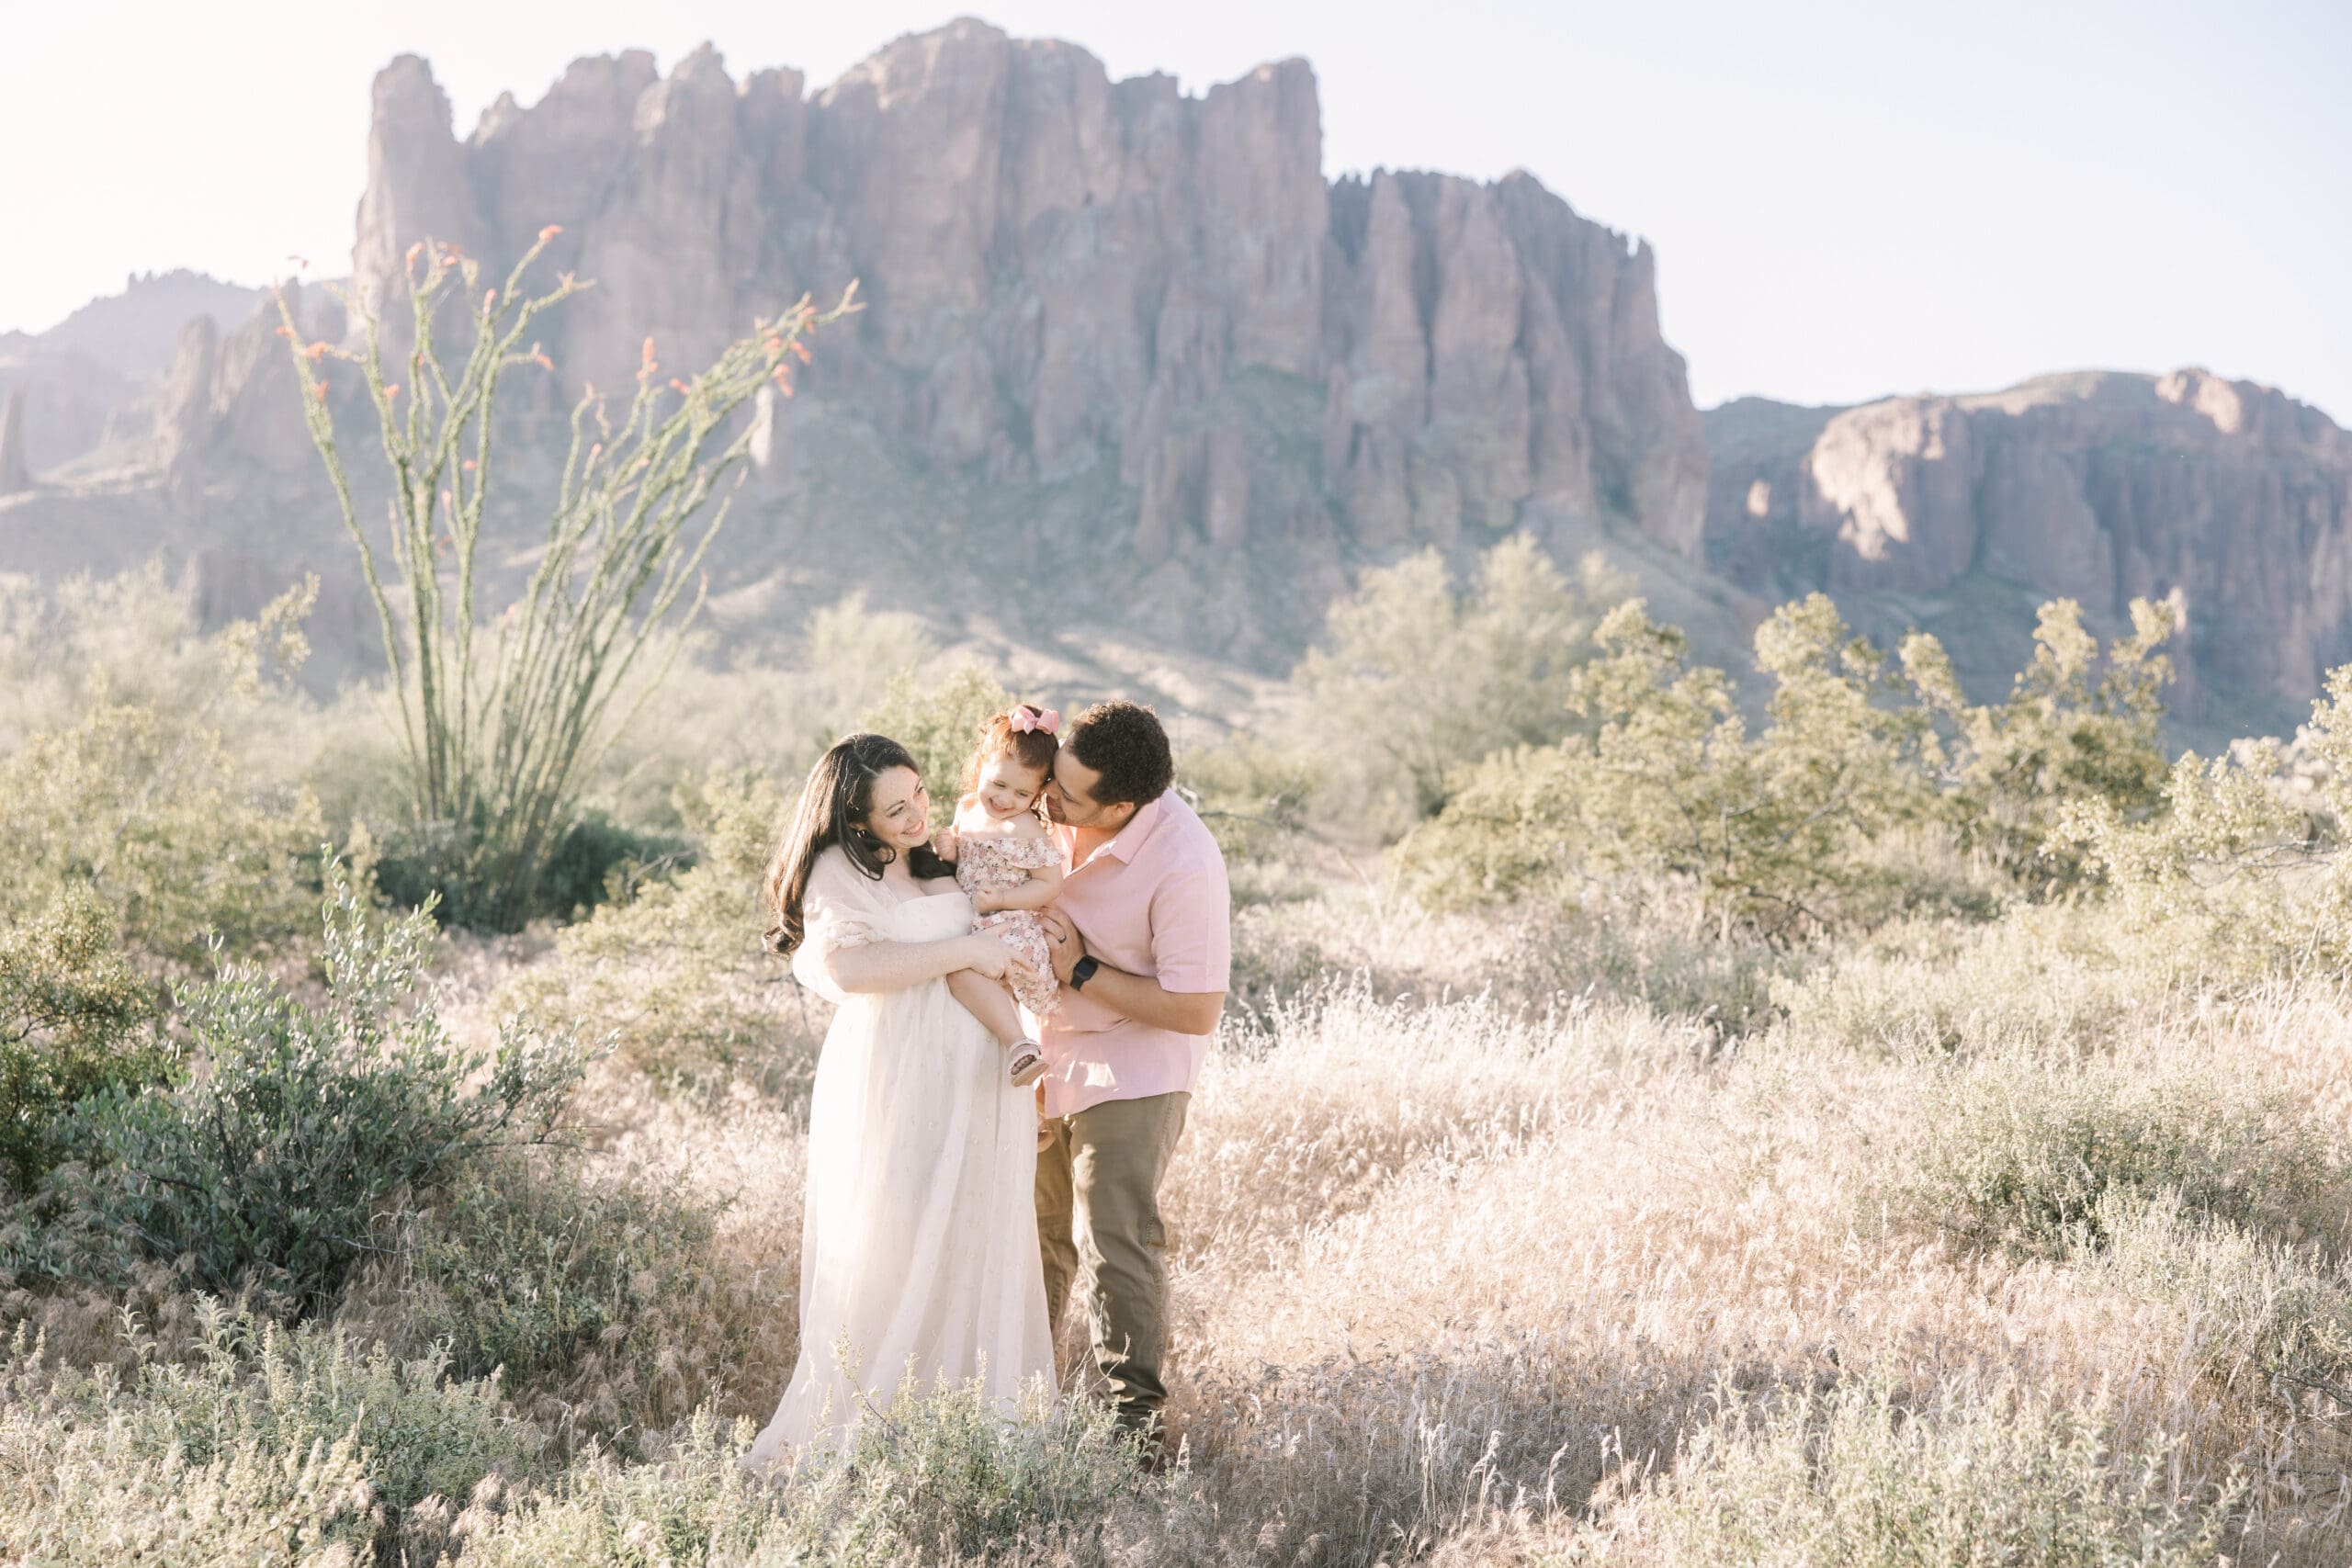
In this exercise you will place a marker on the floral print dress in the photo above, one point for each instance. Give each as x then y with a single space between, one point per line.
1000 865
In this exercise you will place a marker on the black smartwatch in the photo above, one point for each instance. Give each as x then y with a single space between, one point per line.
1082 971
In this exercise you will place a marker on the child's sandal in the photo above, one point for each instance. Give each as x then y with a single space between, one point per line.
1028 1066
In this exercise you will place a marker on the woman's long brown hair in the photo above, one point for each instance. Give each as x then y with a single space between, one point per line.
833 807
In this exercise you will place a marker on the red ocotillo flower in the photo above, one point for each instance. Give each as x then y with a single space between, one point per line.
549 232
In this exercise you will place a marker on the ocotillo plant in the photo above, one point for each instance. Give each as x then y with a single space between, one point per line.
498 723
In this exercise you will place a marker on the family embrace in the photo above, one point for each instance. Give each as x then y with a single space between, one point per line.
968 1171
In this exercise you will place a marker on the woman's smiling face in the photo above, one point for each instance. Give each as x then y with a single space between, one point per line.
900 815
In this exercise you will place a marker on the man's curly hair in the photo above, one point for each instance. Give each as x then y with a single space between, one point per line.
1124 743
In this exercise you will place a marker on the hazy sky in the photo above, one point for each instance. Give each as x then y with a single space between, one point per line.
1847 198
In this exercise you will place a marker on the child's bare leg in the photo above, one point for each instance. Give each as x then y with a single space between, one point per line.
992 1004
988 1002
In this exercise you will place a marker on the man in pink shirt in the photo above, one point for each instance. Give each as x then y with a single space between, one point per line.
1142 941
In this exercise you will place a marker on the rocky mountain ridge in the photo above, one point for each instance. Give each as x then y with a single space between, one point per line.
2228 498
1135 374
87 371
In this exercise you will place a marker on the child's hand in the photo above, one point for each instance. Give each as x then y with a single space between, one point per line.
984 904
944 844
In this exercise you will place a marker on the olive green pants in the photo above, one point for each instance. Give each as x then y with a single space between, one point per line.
1099 1227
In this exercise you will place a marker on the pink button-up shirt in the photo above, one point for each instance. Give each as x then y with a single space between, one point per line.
1152 901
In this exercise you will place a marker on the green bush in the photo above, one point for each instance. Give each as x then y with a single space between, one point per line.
1415 679
436 865
941 1477
2022 1155
1813 822
308 1122
2079 726
1863 1477
677 977
72 1022
181 838
156 820
267 1446
1669 780
2255 1313
592 1295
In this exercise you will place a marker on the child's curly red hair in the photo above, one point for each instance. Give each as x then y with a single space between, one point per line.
1026 733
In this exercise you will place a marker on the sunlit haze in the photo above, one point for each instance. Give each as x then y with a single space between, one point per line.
1847 198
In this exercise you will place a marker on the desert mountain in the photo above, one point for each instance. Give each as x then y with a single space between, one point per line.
1958 514
1134 376
1128 358
84 370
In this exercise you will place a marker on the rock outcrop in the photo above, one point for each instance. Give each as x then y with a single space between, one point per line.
231 399
1064 271
82 376
2231 497
15 477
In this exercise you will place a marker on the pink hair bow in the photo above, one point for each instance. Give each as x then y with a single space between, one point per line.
1046 721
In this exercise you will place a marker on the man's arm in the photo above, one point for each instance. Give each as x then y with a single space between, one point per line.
1132 996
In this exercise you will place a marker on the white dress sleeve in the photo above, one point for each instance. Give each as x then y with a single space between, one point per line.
841 907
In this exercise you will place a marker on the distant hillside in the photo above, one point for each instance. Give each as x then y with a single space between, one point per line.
1961 513
82 371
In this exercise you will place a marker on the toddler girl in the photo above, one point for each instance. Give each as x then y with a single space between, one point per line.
1012 868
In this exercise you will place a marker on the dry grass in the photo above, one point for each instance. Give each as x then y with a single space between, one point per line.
1466 1273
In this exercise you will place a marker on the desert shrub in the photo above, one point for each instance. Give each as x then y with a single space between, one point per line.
148 809
135 640
1415 678
416 866
942 1477
307 1121
766 708
1669 782
267 1446
1861 1475
2256 1313
2019 1153
2243 874
588 1295
499 725
939 720
1644 941
1253 796
677 977
1819 820
2077 727
73 1020
2045 979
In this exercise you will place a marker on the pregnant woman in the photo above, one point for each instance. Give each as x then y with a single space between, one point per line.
919 1250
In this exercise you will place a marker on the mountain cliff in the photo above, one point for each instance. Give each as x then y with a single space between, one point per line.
1134 376
2230 498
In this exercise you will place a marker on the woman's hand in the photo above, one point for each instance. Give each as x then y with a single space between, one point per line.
988 957
998 961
